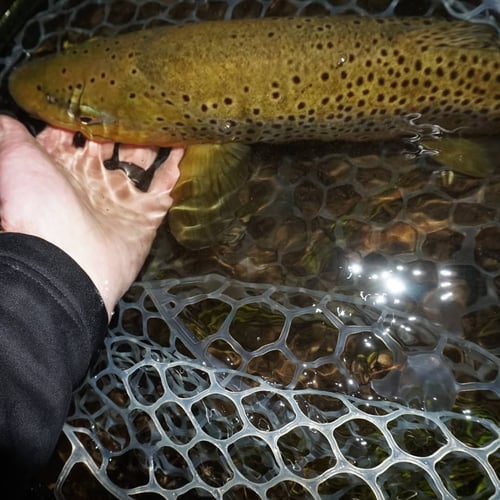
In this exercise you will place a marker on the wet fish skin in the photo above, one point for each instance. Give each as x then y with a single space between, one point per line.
270 80
217 86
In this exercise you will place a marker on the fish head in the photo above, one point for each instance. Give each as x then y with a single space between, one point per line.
53 89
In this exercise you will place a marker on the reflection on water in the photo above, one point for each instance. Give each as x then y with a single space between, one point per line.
404 240
369 221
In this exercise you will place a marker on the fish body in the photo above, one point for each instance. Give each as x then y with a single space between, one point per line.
270 80
218 86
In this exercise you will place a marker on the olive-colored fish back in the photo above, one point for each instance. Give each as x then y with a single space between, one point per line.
272 80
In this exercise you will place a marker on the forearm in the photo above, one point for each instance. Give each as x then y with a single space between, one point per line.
52 320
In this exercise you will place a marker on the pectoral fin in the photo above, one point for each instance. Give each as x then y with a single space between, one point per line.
206 195
465 156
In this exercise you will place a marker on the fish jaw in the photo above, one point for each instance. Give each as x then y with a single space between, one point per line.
27 86
67 92
63 105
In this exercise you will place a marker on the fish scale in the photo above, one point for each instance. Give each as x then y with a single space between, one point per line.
218 86
270 80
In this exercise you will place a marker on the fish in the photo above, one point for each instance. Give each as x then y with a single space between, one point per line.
217 87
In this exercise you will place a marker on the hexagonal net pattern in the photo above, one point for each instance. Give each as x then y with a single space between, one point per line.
346 346
152 418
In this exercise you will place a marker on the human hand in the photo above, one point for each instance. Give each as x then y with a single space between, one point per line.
63 194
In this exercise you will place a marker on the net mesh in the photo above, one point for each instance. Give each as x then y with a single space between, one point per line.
341 340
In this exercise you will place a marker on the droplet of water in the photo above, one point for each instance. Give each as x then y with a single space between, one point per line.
341 60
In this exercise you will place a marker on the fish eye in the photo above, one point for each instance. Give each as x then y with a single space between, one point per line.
85 120
90 120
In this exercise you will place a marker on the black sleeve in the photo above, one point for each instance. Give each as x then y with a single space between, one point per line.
52 321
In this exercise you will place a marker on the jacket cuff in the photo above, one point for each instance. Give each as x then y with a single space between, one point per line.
70 294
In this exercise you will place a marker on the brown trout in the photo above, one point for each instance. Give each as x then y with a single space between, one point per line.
228 83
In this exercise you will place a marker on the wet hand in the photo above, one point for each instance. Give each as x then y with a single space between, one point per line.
51 189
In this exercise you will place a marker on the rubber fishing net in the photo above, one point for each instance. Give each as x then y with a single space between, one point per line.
340 341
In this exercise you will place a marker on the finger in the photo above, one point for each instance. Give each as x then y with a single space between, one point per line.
142 156
56 142
167 174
